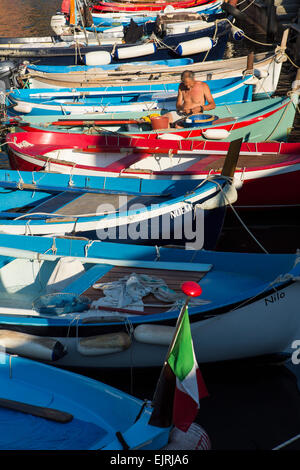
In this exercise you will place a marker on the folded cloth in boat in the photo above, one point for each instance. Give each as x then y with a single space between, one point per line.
129 291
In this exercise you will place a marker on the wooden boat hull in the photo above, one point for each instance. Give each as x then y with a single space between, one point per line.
185 213
267 69
262 167
235 121
72 55
110 18
267 318
159 6
66 411
118 99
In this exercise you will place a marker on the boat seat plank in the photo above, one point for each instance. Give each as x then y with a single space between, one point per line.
56 202
173 279
126 161
248 161
89 203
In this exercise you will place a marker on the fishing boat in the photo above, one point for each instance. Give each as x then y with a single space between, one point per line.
212 9
262 167
269 119
208 43
155 6
161 212
46 408
266 68
64 33
132 299
59 69
117 99
80 102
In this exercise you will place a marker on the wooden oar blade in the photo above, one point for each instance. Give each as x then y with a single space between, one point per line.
39 411
232 158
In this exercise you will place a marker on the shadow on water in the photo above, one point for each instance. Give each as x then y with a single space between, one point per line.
252 405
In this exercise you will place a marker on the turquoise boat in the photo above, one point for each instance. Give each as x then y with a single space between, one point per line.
264 120
46 408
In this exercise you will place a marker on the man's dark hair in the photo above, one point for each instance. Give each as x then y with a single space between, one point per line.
187 73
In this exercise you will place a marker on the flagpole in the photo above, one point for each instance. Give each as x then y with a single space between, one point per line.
191 289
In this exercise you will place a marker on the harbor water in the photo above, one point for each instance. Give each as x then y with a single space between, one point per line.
252 404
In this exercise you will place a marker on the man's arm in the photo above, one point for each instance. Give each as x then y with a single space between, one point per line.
209 98
179 102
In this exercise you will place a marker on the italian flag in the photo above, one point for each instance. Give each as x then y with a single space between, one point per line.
190 386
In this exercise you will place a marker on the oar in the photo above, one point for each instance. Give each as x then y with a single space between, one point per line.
127 310
163 396
102 122
39 411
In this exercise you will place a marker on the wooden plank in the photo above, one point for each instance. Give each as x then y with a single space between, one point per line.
173 279
247 161
39 411
54 203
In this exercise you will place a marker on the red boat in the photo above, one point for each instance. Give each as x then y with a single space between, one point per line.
154 6
268 173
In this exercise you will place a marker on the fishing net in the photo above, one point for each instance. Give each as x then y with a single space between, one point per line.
60 303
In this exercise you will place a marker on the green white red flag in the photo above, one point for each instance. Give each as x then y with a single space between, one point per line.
190 386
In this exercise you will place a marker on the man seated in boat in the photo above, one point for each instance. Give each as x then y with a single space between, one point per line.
191 99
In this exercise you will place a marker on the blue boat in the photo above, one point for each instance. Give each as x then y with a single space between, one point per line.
112 305
66 101
45 408
84 68
164 48
119 209
103 22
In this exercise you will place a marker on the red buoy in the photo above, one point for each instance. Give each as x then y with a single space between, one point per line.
191 288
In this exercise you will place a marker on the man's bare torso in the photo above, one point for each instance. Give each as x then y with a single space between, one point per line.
194 95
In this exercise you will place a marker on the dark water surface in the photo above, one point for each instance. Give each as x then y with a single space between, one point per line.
26 17
252 405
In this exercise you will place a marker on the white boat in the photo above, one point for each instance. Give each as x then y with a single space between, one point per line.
249 305
266 69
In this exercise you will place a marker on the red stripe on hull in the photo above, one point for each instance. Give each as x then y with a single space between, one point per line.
117 7
186 134
276 190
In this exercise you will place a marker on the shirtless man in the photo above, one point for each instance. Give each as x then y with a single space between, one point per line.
191 99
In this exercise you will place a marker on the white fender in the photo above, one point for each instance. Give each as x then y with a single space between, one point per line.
215 134
237 33
195 46
97 58
169 9
23 108
154 334
135 51
104 344
35 347
261 73
170 137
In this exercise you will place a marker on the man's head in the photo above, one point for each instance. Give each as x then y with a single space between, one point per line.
188 78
